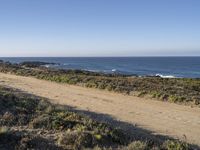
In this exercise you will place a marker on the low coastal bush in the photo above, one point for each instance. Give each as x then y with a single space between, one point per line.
175 145
176 90
137 145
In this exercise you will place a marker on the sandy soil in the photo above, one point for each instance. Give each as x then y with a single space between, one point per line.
164 118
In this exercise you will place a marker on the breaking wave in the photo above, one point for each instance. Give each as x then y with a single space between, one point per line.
165 76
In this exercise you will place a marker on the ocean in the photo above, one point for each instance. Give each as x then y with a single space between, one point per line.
180 67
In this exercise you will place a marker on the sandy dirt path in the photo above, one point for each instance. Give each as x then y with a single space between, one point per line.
159 117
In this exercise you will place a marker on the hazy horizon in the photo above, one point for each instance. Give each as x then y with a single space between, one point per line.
10 56
59 28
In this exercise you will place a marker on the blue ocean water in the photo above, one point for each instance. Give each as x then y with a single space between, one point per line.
166 66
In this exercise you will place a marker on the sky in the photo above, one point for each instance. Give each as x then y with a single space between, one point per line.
65 28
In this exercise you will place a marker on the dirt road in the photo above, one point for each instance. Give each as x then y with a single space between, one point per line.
159 117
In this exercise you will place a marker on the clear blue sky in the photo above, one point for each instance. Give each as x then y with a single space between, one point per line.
99 27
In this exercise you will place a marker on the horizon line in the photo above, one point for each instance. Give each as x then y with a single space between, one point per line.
95 56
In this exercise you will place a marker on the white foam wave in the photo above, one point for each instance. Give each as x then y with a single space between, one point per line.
114 70
47 66
165 76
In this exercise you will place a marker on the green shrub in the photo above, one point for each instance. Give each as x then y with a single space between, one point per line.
175 145
142 93
137 145
3 130
173 98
